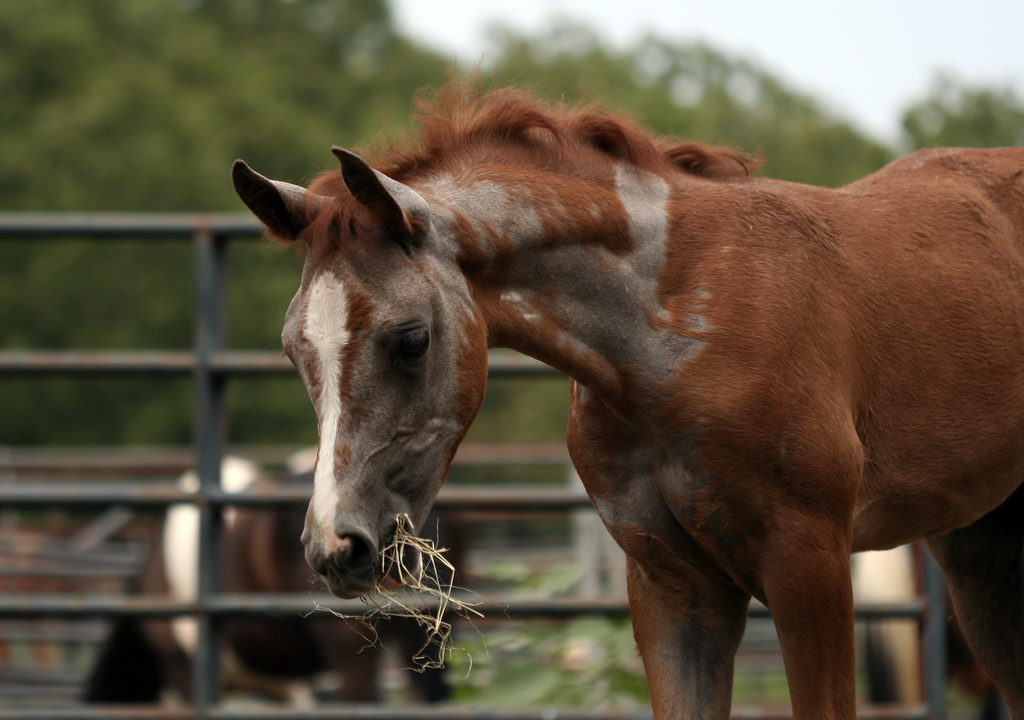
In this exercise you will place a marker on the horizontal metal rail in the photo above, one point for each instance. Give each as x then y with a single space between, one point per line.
37 605
495 498
142 362
81 632
23 462
69 569
183 362
172 225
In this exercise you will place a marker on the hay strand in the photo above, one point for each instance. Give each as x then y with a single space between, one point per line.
421 587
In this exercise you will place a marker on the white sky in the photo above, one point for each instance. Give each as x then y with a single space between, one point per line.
865 59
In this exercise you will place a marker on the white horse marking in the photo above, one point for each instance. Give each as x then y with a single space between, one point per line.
645 198
325 329
490 209
517 301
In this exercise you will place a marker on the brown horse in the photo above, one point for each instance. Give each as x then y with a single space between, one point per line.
767 376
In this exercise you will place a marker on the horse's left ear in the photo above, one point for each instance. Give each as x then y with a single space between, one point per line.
397 207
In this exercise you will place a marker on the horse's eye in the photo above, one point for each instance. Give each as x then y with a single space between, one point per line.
414 343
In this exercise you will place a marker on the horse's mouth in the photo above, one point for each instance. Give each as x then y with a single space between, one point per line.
399 563
346 588
393 576
347 585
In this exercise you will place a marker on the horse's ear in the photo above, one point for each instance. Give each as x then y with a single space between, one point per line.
396 207
279 205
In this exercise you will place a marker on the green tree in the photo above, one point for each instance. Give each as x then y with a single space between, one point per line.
956 115
143 105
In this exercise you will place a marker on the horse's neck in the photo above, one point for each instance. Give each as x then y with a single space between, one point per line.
568 272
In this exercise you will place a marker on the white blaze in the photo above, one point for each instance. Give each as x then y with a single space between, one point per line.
326 320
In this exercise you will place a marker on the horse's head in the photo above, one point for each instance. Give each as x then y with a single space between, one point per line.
385 335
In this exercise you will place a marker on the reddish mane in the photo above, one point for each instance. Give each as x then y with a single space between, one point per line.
461 118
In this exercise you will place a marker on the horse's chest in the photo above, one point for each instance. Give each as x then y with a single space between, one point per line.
647 493
666 508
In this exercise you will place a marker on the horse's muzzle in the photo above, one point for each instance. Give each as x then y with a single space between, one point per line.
348 562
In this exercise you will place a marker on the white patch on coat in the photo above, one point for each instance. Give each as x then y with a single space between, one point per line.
698 322
494 212
645 198
181 542
515 300
326 330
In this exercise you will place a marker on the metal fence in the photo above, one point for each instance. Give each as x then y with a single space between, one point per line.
211 365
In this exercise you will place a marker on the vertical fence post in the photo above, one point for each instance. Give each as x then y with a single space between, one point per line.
211 259
935 639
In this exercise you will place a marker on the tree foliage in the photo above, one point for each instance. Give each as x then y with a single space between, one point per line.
143 105
956 115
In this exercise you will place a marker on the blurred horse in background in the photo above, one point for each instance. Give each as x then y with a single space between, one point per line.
279 659
893 661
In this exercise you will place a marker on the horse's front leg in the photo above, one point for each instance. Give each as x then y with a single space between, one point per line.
687 634
805 574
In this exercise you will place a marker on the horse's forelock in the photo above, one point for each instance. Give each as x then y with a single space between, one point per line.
336 221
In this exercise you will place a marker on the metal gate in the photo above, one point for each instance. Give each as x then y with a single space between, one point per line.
211 365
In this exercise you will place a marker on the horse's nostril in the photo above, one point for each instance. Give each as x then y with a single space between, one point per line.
344 547
355 550
348 551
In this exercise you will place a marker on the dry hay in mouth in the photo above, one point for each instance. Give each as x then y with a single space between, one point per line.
422 595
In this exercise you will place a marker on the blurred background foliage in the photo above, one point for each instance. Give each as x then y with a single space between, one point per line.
143 105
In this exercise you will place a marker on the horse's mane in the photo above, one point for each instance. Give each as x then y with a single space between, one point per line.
461 117
460 122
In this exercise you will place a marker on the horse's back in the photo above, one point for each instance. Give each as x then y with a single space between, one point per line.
1004 162
995 175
